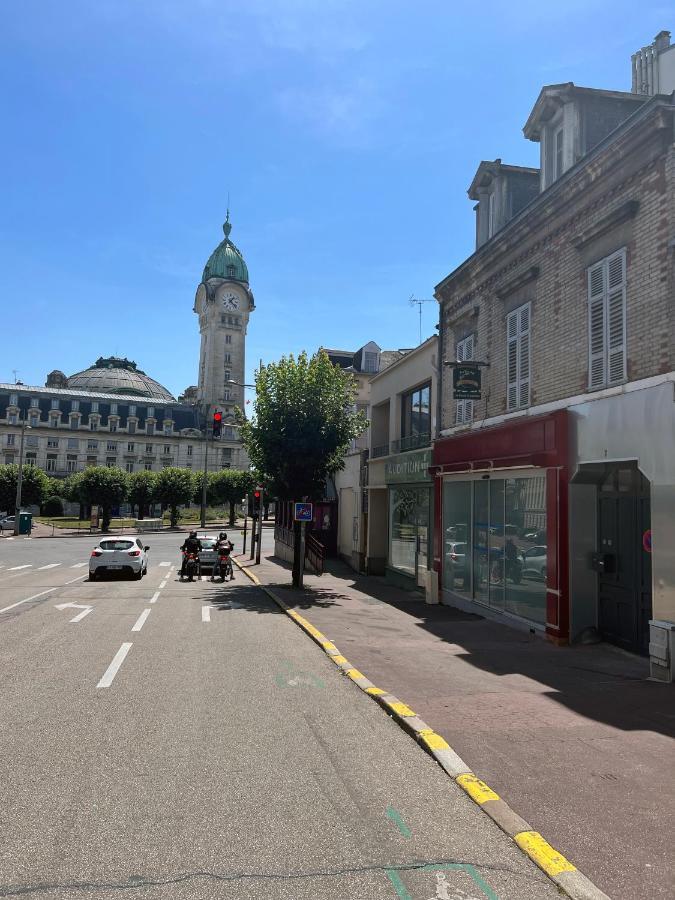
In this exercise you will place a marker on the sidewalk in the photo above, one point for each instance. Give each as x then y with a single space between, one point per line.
574 739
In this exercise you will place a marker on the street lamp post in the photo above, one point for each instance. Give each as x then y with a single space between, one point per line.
19 480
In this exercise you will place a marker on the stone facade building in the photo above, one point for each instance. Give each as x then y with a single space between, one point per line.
549 487
113 414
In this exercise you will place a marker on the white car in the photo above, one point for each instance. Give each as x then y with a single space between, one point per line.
119 554
8 523
534 562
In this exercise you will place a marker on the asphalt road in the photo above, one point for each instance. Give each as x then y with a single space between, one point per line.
186 740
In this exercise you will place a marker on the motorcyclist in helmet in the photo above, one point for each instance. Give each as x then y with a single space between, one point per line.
192 544
222 543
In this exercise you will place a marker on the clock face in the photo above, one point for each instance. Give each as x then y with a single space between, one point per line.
230 301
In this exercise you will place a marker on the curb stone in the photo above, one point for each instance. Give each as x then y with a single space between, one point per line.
559 869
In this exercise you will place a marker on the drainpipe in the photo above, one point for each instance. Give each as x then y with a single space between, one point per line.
439 372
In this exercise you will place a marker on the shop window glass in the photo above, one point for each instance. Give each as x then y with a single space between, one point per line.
494 543
500 544
408 520
457 536
525 582
481 526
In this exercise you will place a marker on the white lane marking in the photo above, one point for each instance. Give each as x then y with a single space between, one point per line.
113 668
25 566
79 616
50 566
73 580
206 613
140 621
165 564
27 600
204 578
78 565
162 585
9 539
154 597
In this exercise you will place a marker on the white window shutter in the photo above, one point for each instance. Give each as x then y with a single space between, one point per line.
616 317
524 356
512 360
596 325
464 407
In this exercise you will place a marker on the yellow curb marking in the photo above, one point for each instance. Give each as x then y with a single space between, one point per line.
530 842
401 709
476 789
539 850
354 673
434 741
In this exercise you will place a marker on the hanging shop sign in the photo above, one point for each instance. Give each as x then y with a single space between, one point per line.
466 382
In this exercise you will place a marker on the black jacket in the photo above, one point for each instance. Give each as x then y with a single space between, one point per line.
192 545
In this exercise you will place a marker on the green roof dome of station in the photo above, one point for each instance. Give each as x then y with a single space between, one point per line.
226 260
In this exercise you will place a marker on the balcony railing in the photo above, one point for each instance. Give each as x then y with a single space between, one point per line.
382 450
411 442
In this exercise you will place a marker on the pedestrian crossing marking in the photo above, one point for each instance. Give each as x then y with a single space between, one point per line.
49 566
78 565
165 564
25 566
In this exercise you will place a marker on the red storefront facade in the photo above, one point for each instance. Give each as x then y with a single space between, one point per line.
528 446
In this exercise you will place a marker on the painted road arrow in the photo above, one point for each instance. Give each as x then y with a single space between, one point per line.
79 616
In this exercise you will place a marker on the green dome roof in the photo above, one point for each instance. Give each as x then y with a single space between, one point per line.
226 260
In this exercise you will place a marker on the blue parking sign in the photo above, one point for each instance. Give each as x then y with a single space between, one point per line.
303 512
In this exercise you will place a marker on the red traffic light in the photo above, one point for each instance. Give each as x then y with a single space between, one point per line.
217 417
256 494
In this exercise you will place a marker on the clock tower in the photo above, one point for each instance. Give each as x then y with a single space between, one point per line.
223 303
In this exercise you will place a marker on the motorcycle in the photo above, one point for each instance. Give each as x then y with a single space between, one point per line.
191 566
511 567
223 565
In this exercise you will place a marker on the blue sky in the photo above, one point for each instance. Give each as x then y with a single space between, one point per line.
346 134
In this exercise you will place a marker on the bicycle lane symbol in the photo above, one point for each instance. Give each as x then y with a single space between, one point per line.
289 676
452 881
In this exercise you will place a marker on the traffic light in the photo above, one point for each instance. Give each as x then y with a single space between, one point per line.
217 424
256 502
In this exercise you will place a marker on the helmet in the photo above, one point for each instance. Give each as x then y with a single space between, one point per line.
193 534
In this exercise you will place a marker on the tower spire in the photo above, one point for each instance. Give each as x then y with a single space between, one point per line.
227 227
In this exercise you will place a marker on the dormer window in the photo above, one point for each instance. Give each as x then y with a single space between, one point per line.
370 361
230 271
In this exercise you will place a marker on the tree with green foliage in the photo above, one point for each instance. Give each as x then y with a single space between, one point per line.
55 494
229 486
101 485
34 486
142 490
173 488
304 421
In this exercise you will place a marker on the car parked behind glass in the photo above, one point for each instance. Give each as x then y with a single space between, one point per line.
534 562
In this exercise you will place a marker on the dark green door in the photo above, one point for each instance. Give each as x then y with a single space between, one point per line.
624 542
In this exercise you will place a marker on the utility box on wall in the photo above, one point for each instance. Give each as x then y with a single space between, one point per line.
661 650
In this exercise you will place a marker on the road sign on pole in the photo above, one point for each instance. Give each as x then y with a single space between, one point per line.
303 512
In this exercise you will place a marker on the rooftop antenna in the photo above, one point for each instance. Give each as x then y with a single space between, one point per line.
15 373
419 301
